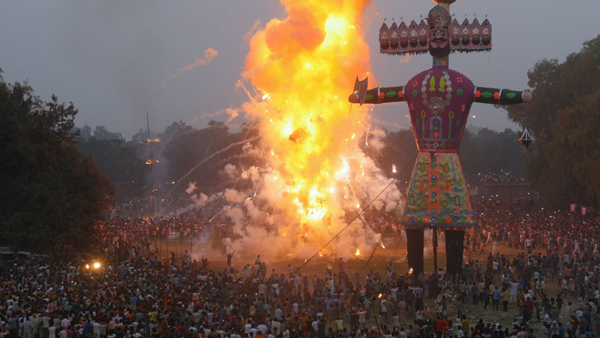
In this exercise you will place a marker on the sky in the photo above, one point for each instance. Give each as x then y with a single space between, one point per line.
117 60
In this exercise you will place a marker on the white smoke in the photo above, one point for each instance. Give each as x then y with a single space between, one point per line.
191 188
377 139
264 220
234 196
200 201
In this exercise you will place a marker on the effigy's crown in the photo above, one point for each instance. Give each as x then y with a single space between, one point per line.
438 16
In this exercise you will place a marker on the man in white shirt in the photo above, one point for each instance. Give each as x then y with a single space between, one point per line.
278 314
275 327
383 310
139 335
513 292
262 328
394 292
315 325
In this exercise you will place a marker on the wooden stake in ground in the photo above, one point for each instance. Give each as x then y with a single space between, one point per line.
435 264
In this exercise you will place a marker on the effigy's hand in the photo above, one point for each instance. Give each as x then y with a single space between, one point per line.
353 98
527 96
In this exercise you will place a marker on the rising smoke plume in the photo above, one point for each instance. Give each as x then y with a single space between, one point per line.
209 55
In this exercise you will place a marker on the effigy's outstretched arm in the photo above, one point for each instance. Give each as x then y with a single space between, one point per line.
380 95
501 96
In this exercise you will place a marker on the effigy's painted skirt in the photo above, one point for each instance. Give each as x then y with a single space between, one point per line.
437 195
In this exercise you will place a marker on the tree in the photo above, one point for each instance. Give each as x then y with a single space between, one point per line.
101 133
489 151
174 129
564 118
52 195
123 163
400 151
85 132
199 154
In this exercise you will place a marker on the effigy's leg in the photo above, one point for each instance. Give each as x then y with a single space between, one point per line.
454 251
414 248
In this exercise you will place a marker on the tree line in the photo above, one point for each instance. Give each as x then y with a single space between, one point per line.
182 148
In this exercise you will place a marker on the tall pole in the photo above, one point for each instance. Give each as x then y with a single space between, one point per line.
151 158
435 262
148 124
445 4
181 245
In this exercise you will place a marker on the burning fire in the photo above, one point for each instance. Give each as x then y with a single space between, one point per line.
315 176
156 140
305 66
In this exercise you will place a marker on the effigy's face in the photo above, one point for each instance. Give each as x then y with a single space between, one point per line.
487 38
438 42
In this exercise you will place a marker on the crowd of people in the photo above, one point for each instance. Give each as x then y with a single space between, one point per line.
555 250
194 223
153 205
502 177
135 294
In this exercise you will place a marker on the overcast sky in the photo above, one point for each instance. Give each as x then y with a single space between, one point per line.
112 58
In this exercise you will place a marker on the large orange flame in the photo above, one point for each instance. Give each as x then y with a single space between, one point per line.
306 65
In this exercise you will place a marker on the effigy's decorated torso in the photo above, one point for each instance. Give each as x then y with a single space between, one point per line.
439 100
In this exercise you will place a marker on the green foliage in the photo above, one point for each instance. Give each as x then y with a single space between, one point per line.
400 150
123 163
85 132
100 133
488 151
52 194
564 119
189 147
179 153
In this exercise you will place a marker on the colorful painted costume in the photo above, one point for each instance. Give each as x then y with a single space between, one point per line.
439 100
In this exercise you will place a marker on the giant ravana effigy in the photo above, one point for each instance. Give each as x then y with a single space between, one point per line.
439 100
